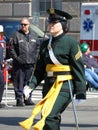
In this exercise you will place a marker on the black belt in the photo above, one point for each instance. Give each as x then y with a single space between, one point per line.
53 74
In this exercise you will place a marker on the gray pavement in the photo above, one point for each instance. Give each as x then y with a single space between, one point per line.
87 113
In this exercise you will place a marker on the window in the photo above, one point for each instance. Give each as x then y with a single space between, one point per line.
46 4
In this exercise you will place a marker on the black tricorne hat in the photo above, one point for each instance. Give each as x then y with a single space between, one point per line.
58 15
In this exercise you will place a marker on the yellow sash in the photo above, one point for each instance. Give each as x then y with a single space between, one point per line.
46 104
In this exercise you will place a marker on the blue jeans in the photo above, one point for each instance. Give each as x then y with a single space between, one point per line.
96 70
91 77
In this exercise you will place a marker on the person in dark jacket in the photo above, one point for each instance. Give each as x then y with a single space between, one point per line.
2 56
24 47
91 65
88 59
59 62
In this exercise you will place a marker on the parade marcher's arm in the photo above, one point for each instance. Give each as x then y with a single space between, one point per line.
39 72
35 79
78 72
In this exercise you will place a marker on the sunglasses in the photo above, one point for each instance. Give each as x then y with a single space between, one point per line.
23 24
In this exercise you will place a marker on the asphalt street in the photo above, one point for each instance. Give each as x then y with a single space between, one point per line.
87 113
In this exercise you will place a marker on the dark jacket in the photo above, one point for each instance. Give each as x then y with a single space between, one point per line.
90 61
24 48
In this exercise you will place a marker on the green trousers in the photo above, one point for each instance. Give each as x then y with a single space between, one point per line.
54 118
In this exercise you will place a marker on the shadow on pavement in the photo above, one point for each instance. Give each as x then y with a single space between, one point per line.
80 125
12 121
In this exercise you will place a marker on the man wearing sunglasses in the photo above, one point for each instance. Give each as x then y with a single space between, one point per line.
24 50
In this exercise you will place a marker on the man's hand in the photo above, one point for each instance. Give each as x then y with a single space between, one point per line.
26 91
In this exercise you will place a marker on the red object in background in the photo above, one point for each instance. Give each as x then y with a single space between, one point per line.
1 37
4 70
4 74
2 42
7 72
87 12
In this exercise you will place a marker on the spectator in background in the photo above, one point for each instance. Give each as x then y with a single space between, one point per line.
88 58
91 65
24 50
2 56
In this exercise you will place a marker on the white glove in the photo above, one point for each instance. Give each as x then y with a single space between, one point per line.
26 91
9 60
79 101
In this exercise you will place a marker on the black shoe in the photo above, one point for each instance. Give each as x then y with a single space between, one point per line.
19 103
28 102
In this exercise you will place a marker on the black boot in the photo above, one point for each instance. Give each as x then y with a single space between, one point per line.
28 101
19 102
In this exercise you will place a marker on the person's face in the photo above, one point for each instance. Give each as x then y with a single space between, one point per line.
25 25
55 28
88 51
2 33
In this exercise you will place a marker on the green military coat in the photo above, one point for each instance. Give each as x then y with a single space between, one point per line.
67 51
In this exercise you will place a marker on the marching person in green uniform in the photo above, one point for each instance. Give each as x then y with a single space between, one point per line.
59 62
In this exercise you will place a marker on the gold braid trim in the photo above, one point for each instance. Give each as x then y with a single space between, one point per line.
79 54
